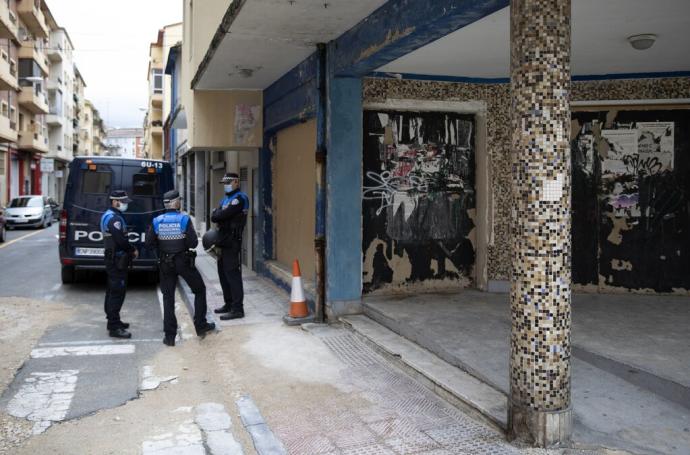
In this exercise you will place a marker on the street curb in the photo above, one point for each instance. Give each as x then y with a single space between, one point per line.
188 299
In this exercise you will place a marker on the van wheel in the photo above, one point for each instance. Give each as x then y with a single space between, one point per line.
67 274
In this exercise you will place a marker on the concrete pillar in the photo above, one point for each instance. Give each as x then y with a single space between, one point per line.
343 227
540 409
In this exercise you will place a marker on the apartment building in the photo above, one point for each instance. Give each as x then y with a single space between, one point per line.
78 107
125 142
61 116
153 121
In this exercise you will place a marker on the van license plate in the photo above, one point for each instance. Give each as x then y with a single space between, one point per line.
90 251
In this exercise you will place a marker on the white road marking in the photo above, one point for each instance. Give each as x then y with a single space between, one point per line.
150 382
44 398
61 351
5 245
92 342
56 287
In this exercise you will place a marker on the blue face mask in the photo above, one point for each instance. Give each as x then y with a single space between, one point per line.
227 188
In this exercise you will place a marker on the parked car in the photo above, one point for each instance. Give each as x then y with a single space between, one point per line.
30 211
55 208
2 224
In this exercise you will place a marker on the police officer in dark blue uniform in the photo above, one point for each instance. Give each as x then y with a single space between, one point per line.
172 234
231 217
118 255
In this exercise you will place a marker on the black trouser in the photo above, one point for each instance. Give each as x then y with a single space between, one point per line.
230 275
169 271
114 294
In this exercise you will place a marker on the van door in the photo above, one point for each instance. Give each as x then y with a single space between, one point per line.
145 183
91 187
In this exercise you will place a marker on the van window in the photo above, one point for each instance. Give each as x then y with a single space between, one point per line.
96 182
145 184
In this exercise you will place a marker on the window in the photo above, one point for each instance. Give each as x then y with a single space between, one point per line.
145 184
27 202
157 81
96 182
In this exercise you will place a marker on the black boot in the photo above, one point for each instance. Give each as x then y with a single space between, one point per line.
119 333
169 340
203 330
232 315
224 309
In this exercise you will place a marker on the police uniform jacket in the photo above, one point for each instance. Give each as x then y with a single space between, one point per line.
231 216
114 231
172 233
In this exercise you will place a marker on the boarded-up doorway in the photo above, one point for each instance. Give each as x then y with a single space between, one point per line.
418 200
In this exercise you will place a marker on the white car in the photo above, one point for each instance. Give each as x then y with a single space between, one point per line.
30 211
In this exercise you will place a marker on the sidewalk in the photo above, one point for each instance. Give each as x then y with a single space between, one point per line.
263 301
324 391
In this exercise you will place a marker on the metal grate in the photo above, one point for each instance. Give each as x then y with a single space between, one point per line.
350 350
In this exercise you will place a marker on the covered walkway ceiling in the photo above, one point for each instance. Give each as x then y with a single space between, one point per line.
267 38
599 42
270 37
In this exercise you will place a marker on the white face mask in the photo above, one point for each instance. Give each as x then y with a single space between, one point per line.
228 188
123 207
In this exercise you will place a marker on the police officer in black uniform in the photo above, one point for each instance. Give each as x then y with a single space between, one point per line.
172 234
118 255
231 217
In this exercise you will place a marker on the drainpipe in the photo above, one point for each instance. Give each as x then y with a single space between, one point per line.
320 234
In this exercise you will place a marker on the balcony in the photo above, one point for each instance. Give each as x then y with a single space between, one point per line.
32 141
29 49
8 130
33 17
8 72
157 99
54 53
54 84
33 101
54 119
8 23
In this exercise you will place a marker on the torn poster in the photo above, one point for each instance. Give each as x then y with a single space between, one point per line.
246 119
622 152
655 146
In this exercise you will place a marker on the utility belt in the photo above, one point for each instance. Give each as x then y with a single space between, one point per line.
122 260
166 261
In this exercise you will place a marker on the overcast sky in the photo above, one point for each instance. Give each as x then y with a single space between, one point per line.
111 40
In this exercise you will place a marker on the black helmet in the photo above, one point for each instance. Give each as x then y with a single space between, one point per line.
209 239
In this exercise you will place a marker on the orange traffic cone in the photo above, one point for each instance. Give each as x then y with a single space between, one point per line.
298 304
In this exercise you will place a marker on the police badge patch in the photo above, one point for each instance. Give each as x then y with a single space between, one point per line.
118 225
235 201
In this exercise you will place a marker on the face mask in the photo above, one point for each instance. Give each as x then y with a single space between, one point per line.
228 188
123 207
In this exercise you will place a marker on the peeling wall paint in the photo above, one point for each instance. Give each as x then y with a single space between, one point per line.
418 200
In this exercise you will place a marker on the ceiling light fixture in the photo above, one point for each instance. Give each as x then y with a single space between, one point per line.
642 42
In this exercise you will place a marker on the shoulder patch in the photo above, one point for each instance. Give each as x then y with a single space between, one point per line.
235 201
118 225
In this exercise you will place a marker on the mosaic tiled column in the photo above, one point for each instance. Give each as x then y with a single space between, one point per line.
540 407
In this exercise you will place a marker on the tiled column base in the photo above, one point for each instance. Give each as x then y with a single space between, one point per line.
540 428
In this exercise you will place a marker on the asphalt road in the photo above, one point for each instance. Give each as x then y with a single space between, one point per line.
75 365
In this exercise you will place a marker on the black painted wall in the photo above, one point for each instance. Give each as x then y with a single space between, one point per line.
419 187
631 210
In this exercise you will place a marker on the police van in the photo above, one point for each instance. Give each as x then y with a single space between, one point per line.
90 181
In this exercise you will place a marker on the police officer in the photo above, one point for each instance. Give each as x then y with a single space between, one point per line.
173 235
231 216
118 254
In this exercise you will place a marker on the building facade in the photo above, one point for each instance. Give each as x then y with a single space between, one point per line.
41 99
438 146
124 142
